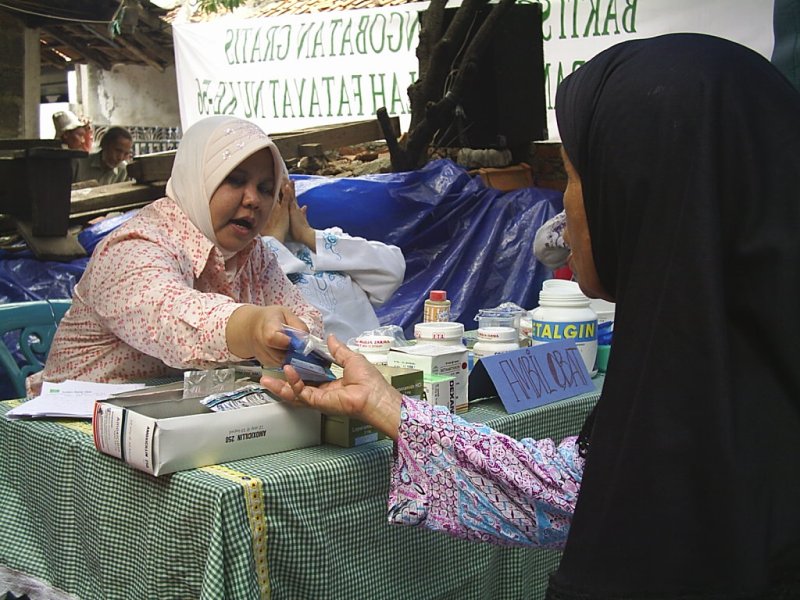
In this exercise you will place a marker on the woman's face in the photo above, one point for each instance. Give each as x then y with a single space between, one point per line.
241 204
581 260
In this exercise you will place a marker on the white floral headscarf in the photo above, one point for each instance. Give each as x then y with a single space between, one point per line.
209 151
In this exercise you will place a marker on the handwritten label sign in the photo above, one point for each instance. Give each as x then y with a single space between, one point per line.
530 377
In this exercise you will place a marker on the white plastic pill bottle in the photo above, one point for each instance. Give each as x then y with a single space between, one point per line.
564 313
374 347
445 333
494 340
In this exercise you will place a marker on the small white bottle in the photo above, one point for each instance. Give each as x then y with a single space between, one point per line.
564 313
494 340
445 333
374 347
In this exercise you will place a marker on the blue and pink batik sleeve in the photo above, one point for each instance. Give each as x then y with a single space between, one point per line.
472 482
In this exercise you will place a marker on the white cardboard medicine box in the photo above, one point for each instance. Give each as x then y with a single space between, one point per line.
159 432
439 390
434 359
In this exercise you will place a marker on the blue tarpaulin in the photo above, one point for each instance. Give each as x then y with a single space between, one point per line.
456 233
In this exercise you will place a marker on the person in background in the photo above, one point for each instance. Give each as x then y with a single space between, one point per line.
107 165
88 138
682 156
70 130
186 283
550 248
345 277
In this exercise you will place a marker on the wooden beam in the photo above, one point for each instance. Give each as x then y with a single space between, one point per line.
17 144
163 55
332 136
79 47
113 196
150 168
101 33
61 248
157 167
154 22
120 42
133 49
53 59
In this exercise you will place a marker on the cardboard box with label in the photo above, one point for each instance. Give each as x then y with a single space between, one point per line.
348 432
433 359
159 432
440 390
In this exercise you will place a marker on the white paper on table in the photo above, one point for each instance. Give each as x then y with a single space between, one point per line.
69 399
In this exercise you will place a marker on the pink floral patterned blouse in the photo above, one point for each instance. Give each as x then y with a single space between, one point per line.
472 482
156 297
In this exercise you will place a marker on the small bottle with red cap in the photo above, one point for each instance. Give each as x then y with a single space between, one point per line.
437 307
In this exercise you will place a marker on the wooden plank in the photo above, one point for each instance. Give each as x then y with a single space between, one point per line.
332 136
310 150
113 196
84 217
164 55
131 47
65 247
148 168
35 186
90 55
24 144
158 166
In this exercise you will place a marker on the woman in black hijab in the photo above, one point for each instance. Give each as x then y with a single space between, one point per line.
683 206
687 148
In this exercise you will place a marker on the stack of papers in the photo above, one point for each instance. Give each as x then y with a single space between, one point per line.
69 399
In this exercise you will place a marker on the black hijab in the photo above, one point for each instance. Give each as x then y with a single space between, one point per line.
688 148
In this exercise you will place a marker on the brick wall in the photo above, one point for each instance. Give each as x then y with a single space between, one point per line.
12 74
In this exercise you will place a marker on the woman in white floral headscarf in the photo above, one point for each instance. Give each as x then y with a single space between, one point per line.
186 283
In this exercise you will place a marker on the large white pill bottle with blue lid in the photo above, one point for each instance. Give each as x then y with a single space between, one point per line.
564 313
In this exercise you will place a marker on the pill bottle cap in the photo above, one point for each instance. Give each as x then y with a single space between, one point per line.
438 295
439 330
564 293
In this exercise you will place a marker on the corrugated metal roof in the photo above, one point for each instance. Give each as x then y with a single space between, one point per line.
276 7
273 8
79 31
98 32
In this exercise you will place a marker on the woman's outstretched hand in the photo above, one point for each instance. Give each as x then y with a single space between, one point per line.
362 392
257 332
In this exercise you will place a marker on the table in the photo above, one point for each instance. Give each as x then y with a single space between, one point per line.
305 524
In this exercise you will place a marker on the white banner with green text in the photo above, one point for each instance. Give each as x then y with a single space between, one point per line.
297 71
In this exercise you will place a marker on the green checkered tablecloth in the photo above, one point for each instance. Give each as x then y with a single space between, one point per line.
306 524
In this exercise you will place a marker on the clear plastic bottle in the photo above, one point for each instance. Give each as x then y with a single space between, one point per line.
564 313
493 340
525 328
437 307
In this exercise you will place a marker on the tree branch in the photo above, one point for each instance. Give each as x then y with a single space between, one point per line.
432 106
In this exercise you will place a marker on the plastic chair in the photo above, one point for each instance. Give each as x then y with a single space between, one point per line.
36 322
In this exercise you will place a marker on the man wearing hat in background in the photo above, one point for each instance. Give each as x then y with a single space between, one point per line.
70 130
108 165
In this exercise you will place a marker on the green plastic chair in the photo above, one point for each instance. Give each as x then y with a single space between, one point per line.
36 322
